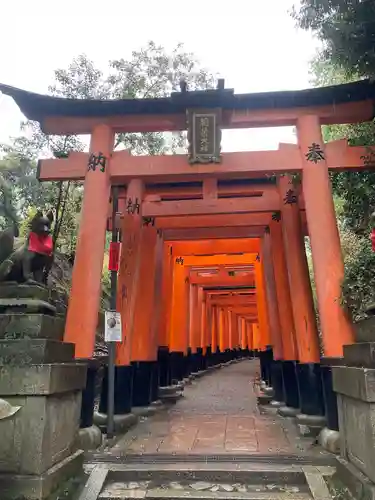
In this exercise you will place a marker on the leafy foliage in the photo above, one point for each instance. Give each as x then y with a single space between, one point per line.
359 282
354 198
151 72
347 30
8 214
356 189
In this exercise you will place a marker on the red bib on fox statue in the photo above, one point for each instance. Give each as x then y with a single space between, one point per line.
372 238
40 243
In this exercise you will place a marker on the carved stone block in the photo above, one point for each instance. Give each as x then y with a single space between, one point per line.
361 354
357 433
35 351
18 325
43 379
40 434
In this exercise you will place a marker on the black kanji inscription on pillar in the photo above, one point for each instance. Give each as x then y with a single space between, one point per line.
97 160
290 197
133 207
315 153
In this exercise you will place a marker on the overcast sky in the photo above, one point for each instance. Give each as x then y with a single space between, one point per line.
253 44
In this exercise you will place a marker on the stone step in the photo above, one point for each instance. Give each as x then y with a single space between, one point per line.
225 460
246 481
195 491
256 474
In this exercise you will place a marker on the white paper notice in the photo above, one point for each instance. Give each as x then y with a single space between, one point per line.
112 331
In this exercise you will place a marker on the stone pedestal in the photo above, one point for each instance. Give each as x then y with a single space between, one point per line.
40 379
355 388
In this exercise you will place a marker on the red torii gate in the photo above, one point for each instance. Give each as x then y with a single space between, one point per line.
103 168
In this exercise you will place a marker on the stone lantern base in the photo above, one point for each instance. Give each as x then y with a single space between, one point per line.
41 384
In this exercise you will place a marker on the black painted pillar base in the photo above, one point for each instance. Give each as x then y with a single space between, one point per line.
224 356
266 358
155 382
269 362
187 363
329 395
277 380
209 359
291 390
142 382
262 362
123 390
177 364
215 356
164 366
195 362
310 388
200 359
204 360
89 392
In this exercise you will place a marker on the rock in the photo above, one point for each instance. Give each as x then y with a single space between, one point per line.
292 489
176 486
241 488
215 488
271 486
131 486
200 486
226 487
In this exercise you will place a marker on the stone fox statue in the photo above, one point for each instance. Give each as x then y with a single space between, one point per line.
31 260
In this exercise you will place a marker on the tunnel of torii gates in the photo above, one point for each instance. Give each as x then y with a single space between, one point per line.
212 244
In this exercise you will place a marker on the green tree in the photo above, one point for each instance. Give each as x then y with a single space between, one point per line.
151 72
8 213
356 189
354 199
347 30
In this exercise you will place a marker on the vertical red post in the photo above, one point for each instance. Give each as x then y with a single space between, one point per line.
128 278
271 297
299 280
328 264
82 317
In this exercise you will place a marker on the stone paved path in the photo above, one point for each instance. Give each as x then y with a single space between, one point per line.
218 414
